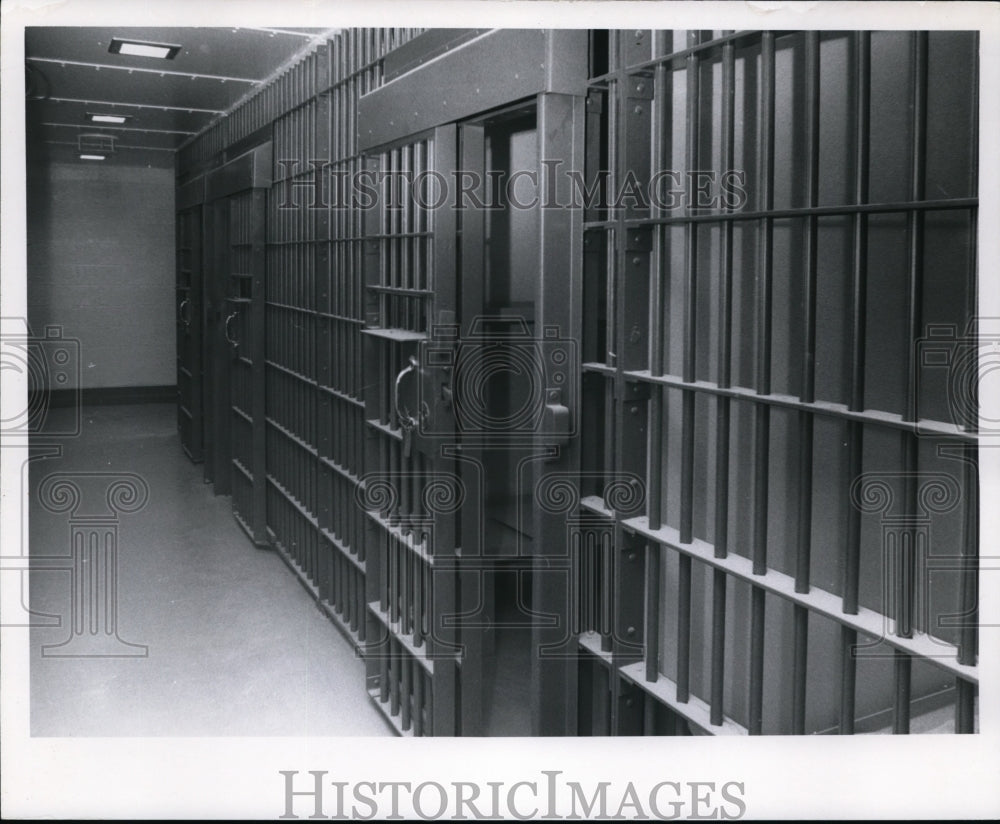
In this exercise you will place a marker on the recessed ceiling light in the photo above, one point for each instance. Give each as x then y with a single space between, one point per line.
91 157
141 48
107 118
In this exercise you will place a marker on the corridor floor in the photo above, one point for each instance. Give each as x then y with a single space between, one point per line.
236 646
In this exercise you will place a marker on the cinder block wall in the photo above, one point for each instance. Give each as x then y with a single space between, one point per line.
101 266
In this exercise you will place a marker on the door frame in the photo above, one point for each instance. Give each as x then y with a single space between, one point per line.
188 206
448 90
250 171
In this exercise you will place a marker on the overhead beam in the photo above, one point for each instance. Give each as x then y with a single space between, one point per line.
130 69
187 109
117 146
116 128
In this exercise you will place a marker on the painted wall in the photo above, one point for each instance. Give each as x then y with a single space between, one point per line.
101 266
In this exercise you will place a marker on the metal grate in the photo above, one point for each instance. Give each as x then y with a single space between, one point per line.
775 412
742 358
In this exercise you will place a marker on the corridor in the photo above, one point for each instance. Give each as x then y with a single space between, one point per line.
236 646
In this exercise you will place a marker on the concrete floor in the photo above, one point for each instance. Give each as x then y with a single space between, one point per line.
236 647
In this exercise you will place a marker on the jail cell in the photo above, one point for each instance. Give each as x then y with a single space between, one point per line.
773 370
797 549
290 352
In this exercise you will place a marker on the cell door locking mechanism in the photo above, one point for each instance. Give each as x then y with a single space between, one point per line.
556 417
407 423
232 341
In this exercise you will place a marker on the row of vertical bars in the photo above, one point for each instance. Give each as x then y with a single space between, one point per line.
313 411
243 330
335 62
396 300
903 595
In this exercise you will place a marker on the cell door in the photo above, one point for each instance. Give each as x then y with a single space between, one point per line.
237 192
215 347
412 490
244 331
472 308
189 331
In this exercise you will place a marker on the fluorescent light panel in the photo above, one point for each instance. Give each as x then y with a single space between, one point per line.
106 118
91 157
141 48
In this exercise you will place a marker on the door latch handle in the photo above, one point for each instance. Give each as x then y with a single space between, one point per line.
232 341
556 420
406 421
185 319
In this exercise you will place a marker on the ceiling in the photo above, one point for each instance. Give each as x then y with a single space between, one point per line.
71 72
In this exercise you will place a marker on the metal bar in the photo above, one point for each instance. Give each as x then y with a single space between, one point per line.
808 389
969 591
658 264
649 707
719 582
687 407
848 679
756 696
848 209
838 411
799 669
721 536
651 633
406 690
395 659
762 420
965 707
683 627
728 105
903 675
604 616
762 417
862 91
418 699
862 95
690 309
915 220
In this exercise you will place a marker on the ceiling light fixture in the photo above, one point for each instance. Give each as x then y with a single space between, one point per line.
91 157
141 48
107 118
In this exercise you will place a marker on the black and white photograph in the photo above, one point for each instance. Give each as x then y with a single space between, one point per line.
500 410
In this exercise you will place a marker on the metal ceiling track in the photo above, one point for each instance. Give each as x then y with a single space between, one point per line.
130 69
158 107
